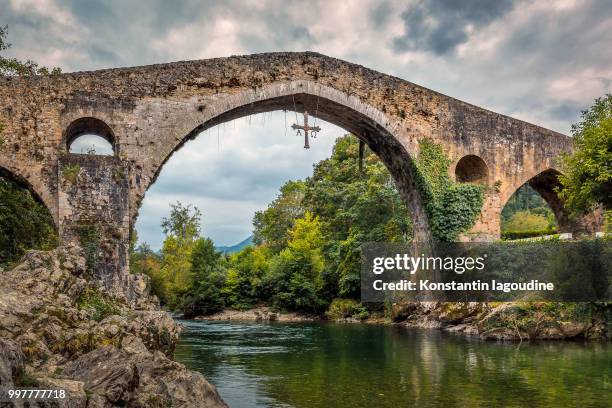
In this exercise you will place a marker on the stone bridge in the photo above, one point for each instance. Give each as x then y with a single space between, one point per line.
148 112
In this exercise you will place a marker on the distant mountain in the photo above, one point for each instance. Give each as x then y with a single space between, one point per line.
235 248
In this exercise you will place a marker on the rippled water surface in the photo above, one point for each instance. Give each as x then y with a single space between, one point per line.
353 365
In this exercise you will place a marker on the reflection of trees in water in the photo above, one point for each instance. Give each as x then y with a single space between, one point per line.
367 365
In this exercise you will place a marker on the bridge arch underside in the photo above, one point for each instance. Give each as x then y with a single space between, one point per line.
545 184
380 140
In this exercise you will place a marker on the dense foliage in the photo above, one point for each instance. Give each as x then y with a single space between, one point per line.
206 280
452 207
24 223
587 174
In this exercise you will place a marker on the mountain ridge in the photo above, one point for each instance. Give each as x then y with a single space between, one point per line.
230 249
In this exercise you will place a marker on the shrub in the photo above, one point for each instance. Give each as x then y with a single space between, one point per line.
97 305
345 308
25 380
526 220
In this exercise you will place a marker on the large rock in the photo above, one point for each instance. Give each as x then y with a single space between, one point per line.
104 352
117 377
166 383
106 371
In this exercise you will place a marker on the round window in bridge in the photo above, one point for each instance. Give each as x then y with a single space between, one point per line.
90 136
471 169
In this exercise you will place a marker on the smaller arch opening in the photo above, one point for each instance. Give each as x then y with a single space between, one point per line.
471 169
25 221
535 209
90 136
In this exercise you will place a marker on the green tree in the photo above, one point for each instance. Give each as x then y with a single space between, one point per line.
204 295
271 226
144 260
182 230
354 207
296 271
587 174
245 282
183 223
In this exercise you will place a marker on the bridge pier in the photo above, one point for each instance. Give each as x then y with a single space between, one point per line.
488 224
93 212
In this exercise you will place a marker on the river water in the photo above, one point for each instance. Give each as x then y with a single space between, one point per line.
357 365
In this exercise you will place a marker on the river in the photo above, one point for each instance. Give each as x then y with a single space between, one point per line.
358 365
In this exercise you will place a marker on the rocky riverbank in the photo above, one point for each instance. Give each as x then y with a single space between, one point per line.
514 321
490 321
260 314
58 330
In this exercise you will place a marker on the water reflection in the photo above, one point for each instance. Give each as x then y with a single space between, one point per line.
333 365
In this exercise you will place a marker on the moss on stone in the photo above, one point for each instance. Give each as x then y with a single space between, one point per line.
98 305
71 173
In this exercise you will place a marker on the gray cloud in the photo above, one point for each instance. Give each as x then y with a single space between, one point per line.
565 110
381 14
440 26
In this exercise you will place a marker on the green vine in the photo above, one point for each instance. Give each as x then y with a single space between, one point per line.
452 207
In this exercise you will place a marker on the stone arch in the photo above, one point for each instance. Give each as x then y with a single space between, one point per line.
88 126
545 183
382 135
472 169
25 184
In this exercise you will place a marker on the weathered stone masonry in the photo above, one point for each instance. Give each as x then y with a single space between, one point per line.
149 112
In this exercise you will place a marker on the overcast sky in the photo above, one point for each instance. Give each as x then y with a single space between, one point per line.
542 62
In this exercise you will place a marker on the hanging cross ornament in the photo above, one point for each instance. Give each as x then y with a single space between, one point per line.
306 128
